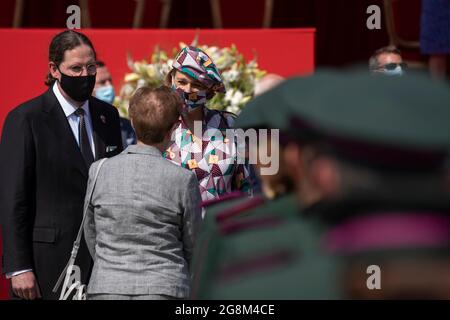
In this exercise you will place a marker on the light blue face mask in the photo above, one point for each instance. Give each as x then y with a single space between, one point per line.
106 94
398 71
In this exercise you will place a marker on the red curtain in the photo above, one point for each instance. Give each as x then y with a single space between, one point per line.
342 35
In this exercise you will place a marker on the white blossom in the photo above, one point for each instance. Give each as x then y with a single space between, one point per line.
140 83
237 98
229 95
230 75
237 75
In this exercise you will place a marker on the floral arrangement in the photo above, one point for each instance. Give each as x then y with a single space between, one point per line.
239 77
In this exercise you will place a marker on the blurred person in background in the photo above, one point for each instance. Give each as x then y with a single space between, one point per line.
372 165
104 91
387 61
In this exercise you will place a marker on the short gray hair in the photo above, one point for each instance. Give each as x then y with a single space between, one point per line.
373 61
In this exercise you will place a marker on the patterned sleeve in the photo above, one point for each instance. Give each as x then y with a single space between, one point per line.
242 179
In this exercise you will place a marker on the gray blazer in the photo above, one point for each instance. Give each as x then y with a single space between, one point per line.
140 227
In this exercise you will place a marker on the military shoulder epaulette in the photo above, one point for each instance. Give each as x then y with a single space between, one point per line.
225 197
250 204
263 222
261 262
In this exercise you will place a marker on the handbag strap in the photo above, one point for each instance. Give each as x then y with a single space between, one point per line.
76 244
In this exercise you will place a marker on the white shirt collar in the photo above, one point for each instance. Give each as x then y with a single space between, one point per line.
67 107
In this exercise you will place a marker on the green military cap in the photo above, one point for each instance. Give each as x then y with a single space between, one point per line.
378 119
405 111
410 111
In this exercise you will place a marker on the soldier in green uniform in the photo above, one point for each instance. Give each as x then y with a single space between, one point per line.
370 162
371 159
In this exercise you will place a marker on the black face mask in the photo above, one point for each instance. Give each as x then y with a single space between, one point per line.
78 88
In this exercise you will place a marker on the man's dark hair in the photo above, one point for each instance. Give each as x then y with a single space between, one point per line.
373 61
100 63
66 40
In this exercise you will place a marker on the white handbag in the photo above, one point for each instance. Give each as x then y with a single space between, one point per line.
72 273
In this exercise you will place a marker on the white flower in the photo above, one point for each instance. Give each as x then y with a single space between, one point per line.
129 77
237 75
237 98
210 51
141 83
151 72
127 90
229 95
231 75
234 97
213 52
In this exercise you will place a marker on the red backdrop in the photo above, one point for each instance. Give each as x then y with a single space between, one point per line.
24 58
342 35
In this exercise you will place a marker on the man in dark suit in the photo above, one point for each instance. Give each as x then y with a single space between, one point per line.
47 147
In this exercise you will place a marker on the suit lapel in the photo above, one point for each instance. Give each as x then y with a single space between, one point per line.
99 129
57 122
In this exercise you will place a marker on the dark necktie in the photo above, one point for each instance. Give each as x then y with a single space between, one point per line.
83 139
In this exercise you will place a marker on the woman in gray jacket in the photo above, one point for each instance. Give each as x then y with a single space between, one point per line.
144 214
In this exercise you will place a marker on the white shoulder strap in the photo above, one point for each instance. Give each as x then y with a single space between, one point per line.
76 245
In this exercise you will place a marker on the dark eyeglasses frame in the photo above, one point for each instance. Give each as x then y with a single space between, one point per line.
392 66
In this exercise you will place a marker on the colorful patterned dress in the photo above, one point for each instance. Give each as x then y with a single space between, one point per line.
213 158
